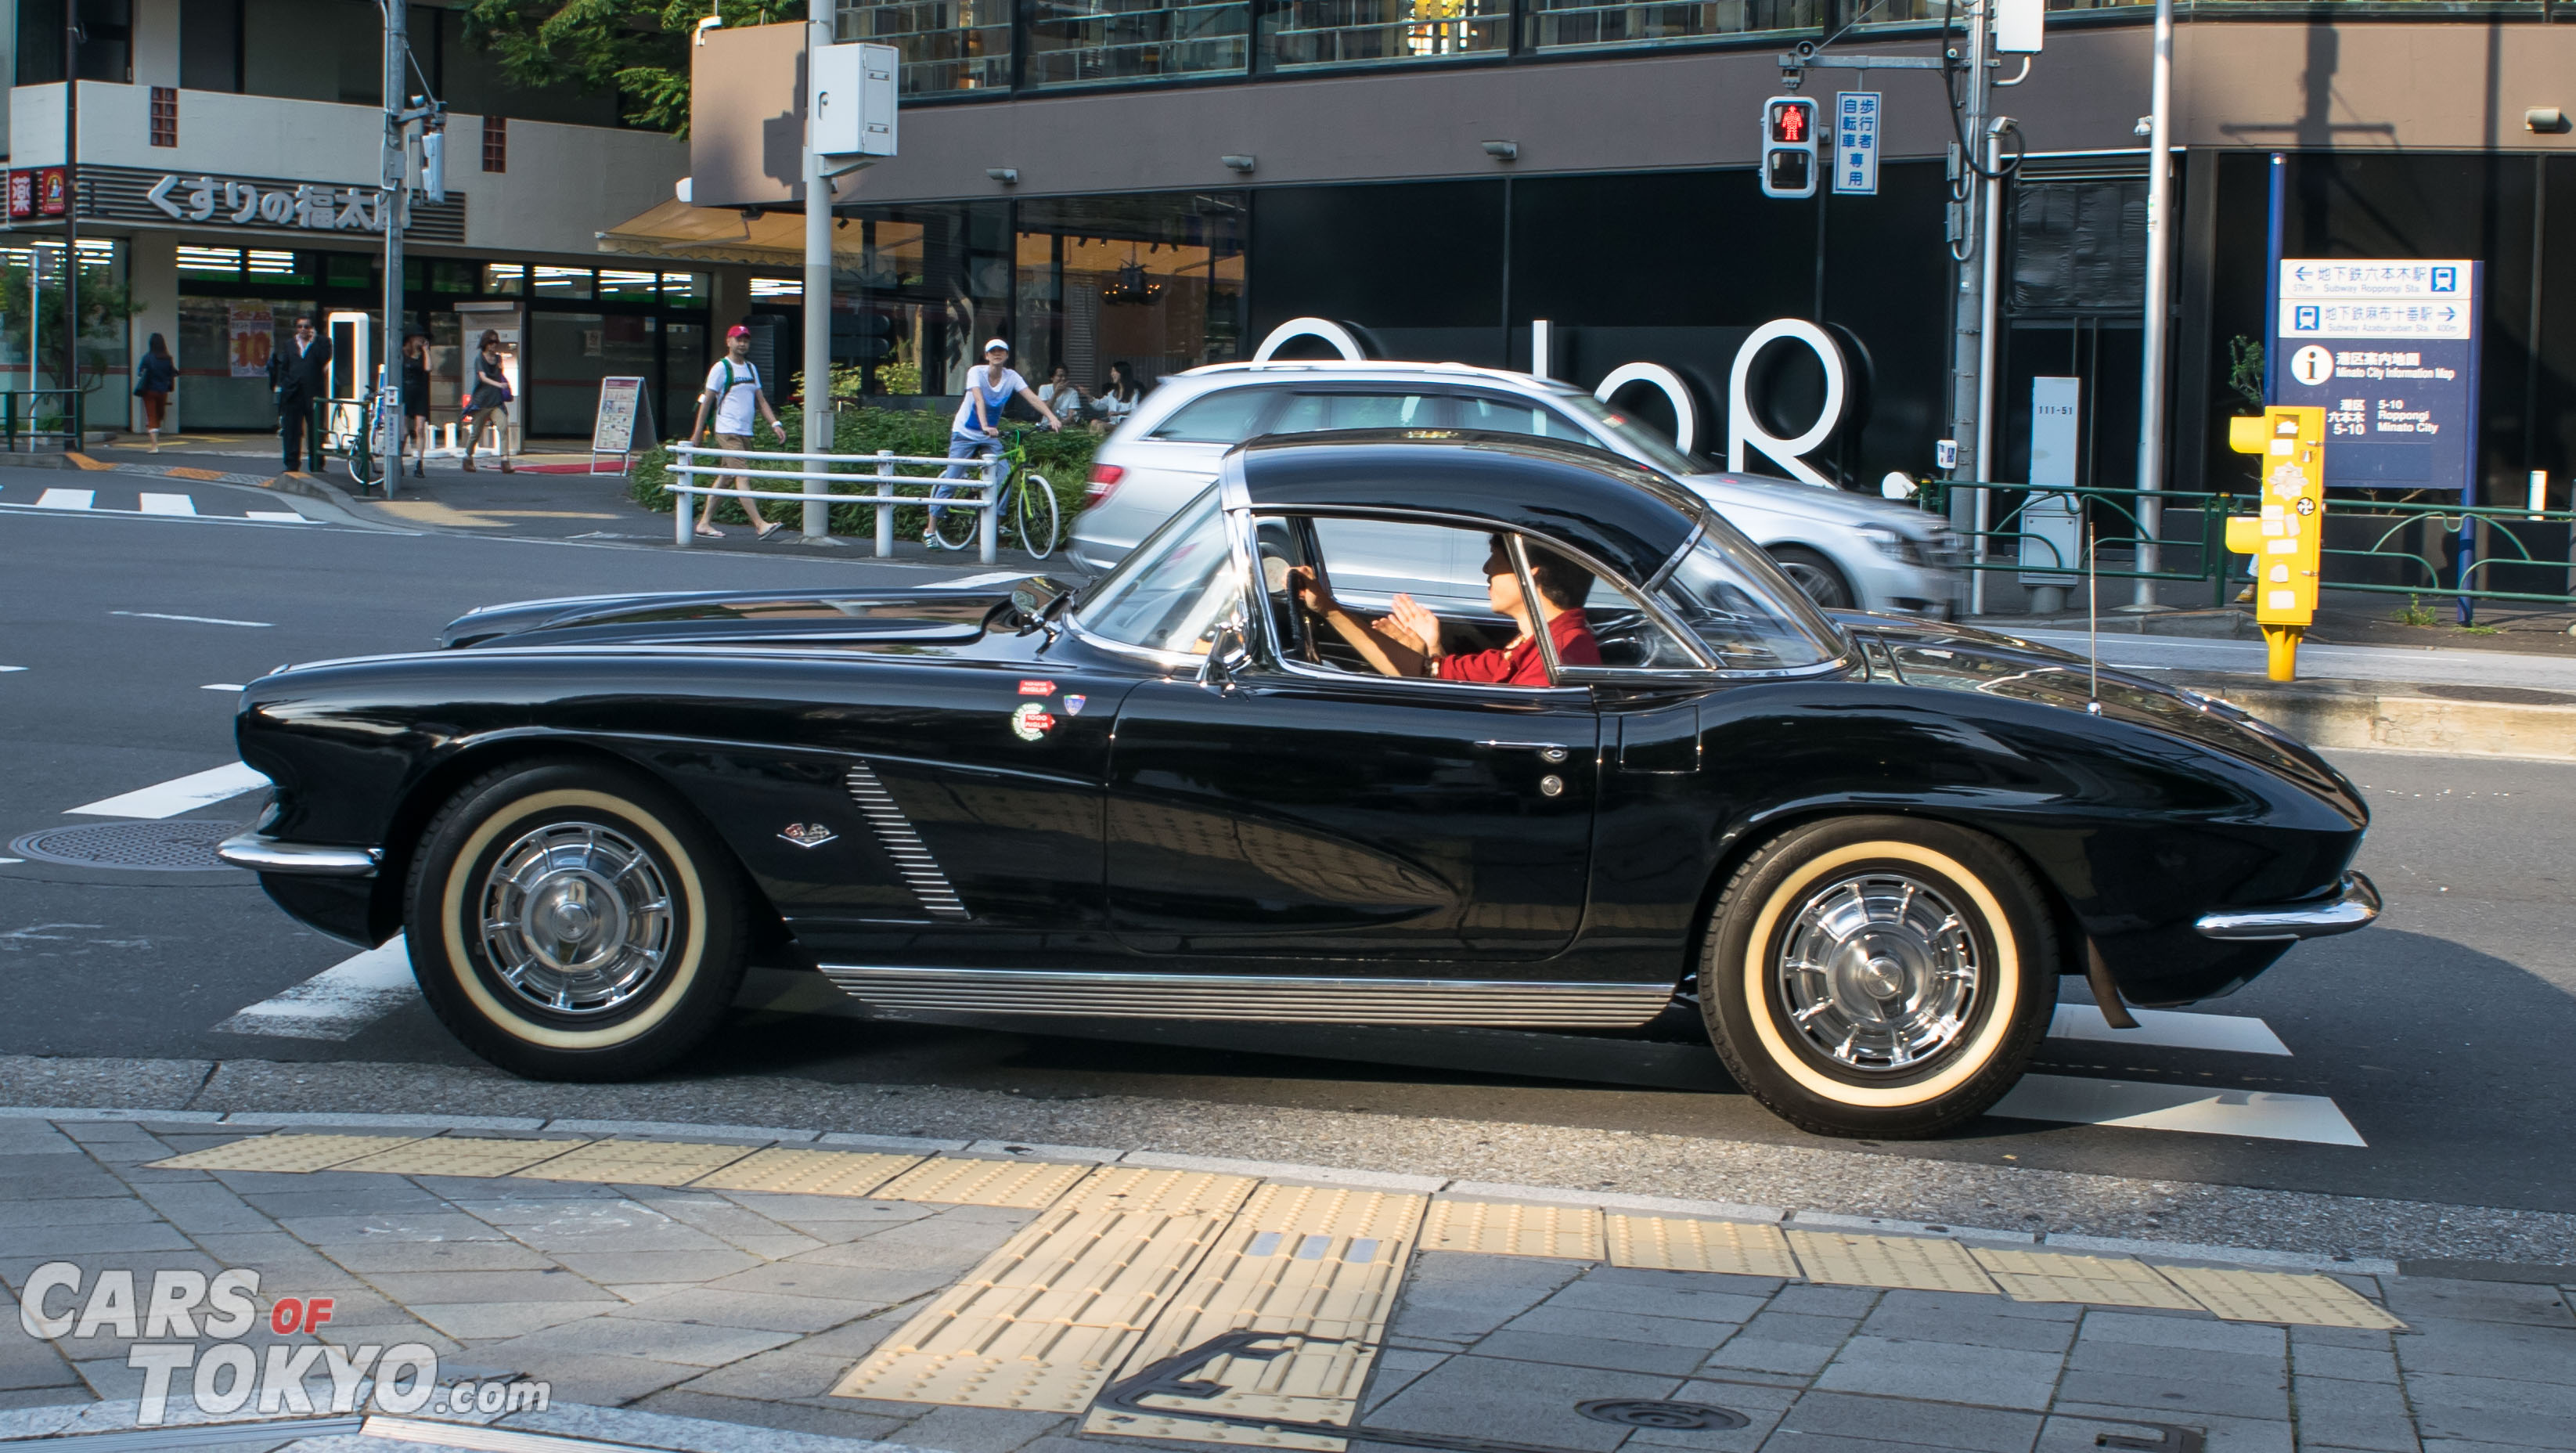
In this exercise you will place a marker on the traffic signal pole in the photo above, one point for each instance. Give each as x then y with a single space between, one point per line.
2151 389
1971 337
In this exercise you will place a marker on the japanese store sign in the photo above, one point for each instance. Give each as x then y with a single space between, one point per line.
39 192
2388 348
313 206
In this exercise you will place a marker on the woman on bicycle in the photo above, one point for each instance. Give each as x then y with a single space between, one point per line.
978 427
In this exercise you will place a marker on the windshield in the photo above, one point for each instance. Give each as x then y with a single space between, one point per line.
1730 595
1173 590
1641 442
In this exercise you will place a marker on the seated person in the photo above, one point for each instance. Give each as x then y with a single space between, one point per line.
1406 641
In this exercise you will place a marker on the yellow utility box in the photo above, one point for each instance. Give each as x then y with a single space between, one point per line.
2286 537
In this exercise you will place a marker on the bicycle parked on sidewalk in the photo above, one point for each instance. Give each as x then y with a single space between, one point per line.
1026 503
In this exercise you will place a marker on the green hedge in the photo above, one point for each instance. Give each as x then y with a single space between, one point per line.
1063 458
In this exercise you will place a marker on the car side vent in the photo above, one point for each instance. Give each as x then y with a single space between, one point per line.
911 856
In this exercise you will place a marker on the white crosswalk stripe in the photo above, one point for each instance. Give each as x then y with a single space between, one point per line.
66 499
337 1002
276 517
2192 1109
2234 1033
178 795
169 504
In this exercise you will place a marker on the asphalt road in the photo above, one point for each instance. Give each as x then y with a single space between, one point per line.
2439 1036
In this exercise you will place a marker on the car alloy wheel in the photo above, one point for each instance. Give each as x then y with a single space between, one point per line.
568 920
1879 975
1814 574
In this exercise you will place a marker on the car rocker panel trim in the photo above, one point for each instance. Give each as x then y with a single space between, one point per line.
1275 999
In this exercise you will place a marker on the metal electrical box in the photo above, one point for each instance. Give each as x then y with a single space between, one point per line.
854 99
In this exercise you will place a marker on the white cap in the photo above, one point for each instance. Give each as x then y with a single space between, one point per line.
991 344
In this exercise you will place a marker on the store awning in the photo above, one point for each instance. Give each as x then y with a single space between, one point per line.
719 234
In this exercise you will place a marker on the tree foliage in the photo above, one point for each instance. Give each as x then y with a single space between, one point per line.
105 305
640 47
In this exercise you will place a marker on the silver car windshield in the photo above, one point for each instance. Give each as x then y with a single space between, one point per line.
1172 591
1642 442
1735 600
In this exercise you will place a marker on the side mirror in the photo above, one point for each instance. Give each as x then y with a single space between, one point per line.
1228 657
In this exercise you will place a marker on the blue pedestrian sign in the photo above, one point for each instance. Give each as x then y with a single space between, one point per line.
1856 143
2389 349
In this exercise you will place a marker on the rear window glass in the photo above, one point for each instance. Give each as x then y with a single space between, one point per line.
1227 416
1513 416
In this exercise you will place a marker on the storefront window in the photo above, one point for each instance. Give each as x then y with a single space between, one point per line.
1074 41
349 270
684 287
947 45
1354 32
447 275
275 266
1152 282
507 278
773 289
624 287
210 262
1583 25
559 282
930 284
568 354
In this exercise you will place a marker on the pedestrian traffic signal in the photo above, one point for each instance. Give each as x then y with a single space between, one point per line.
1789 147
2286 535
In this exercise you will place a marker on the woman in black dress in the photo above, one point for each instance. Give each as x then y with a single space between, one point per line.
491 395
415 399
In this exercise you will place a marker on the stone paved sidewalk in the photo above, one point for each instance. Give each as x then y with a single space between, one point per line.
747 1308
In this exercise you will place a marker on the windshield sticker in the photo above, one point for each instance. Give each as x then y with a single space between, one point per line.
1032 721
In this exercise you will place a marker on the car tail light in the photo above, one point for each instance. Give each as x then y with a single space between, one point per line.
1104 480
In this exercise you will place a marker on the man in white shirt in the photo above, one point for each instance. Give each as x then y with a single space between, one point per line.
977 430
733 391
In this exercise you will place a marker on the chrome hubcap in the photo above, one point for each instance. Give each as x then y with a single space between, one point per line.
576 918
1879 972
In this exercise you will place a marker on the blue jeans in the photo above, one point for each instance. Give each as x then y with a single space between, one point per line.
962 447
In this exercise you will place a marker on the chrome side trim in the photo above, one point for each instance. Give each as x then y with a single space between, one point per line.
895 834
1275 999
271 855
2355 906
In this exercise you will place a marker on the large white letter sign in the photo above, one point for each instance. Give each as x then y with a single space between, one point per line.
1743 426
1295 328
1685 413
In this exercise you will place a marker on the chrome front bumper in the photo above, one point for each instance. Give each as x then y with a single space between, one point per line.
2355 906
270 855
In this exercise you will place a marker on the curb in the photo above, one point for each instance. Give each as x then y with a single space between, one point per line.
561 1428
1268 1170
2457 721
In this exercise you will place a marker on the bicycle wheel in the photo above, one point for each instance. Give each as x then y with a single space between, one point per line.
954 528
365 469
1037 518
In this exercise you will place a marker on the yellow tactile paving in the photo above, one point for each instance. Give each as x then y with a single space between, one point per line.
2095 1281
1510 1228
1666 1243
1318 1265
2280 1296
1043 1322
1911 1263
288 1154
1140 1188
807 1172
456 1155
638 1162
1026 1184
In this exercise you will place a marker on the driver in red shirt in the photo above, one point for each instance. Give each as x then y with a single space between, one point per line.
1406 641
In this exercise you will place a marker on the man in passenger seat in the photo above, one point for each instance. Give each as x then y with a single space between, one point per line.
1406 641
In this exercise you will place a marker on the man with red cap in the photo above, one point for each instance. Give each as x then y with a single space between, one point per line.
733 391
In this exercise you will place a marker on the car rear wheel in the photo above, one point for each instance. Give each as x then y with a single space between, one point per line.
569 921
1879 976
1815 575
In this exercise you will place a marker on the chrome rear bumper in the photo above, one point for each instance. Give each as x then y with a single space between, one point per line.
2355 906
270 855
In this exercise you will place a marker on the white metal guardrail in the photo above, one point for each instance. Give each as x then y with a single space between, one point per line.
815 476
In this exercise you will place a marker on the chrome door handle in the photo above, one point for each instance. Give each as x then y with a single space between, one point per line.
1547 751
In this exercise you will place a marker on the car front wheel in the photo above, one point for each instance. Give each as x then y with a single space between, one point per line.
1879 976
1811 572
570 921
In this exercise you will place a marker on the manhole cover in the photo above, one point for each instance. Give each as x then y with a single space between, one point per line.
1658 1413
2509 695
159 847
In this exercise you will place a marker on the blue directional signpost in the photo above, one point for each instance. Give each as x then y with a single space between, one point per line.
2388 348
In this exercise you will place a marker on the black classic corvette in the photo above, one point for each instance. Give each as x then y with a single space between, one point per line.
1386 729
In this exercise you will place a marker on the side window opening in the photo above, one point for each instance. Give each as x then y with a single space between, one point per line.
1228 416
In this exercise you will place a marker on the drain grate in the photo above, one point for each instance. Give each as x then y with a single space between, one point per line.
160 847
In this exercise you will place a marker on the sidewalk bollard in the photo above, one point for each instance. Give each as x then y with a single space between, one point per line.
682 505
885 505
990 527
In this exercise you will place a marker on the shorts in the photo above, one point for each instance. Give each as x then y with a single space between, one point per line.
733 441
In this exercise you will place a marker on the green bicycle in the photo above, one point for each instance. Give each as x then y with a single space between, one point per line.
1027 507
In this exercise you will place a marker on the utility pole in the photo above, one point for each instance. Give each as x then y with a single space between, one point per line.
389 212
818 280
2151 388
71 224
1971 346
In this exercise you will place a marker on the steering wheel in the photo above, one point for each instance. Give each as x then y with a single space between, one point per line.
1301 622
